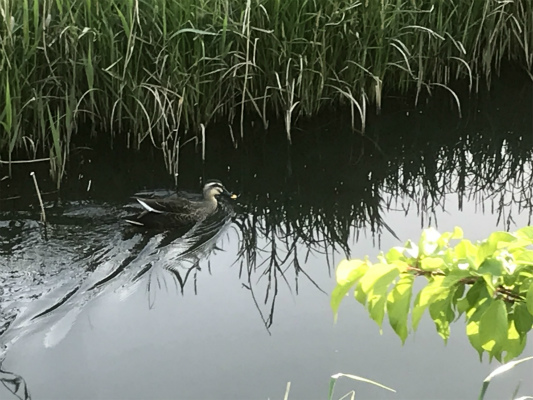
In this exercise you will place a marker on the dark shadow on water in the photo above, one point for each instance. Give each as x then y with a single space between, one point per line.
315 197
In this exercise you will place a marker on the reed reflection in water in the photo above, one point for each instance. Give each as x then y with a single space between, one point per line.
317 200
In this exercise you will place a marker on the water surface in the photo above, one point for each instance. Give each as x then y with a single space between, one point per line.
239 306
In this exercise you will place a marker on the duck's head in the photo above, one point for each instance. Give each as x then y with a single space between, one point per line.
214 188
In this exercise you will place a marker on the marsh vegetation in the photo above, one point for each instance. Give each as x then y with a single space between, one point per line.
134 71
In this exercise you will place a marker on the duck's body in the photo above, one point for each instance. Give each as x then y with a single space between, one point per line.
177 210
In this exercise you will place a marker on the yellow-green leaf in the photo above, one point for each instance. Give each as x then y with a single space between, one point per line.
432 291
442 313
457 233
428 241
525 233
398 302
474 314
467 251
395 253
516 342
525 258
472 331
348 271
347 274
501 239
359 295
375 284
493 327
378 274
431 263
485 250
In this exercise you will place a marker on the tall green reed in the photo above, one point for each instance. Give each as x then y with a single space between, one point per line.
158 70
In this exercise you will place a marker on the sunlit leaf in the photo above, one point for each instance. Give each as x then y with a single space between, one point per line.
486 249
442 314
448 256
465 250
487 281
375 284
439 288
431 263
525 257
482 301
398 303
378 275
395 253
428 242
411 249
445 238
493 327
472 331
432 291
360 295
525 233
518 245
337 295
347 273
457 233
501 239
516 342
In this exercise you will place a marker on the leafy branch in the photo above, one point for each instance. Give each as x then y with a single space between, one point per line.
489 282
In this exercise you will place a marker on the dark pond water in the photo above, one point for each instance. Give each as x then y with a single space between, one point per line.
239 306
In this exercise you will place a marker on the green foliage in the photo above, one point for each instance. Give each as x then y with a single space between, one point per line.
147 70
489 282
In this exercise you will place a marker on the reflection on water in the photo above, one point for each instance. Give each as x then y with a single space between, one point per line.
15 384
314 198
49 282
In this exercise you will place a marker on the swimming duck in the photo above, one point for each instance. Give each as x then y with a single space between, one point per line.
177 209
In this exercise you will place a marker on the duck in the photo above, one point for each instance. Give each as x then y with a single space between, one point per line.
179 209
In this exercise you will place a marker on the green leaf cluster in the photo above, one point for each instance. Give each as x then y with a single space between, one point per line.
490 282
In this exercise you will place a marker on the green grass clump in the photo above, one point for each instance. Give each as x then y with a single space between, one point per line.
158 69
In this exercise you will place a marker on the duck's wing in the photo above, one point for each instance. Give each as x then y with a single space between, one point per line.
163 213
154 194
173 205
160 221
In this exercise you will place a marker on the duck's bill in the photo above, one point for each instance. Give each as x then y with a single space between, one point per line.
229 194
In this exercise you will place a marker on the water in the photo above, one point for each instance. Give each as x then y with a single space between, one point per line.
239 306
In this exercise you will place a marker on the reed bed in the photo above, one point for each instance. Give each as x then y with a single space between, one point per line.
163 70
